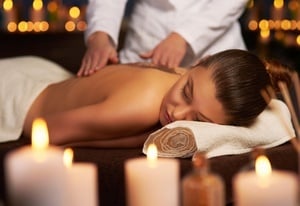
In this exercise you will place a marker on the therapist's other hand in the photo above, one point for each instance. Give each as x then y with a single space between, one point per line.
100 52
169 52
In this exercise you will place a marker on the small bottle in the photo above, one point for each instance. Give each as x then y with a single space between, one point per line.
202 187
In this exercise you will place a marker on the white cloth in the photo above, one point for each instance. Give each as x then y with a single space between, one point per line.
209 26
22 79
182 138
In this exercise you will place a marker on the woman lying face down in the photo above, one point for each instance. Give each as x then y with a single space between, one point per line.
121 104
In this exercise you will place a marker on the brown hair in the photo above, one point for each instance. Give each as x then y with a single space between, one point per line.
240 76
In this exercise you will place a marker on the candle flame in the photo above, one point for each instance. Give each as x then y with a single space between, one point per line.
152 155
152 152
39 137
68 157
263 166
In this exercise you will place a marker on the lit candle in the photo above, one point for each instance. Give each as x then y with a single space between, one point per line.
82 181
36 175
265 186
151 181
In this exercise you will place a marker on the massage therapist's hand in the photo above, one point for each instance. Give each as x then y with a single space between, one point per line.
169 52
100 52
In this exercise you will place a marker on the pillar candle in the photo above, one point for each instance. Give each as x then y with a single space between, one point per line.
151 181
265 187
82 181
36 175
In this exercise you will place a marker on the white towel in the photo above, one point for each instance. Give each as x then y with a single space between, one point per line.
182 138
22 79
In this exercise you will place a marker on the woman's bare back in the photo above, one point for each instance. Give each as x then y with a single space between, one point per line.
117 100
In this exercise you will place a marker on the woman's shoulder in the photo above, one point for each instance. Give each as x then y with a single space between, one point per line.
149 65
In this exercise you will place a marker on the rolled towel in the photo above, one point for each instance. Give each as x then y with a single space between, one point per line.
174 142
22 79
182 138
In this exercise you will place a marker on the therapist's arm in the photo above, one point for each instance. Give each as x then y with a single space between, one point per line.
104 19
208 22
100 52
169 52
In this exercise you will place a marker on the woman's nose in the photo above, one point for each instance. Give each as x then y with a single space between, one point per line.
181 113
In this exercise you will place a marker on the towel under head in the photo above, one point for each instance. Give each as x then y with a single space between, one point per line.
182 138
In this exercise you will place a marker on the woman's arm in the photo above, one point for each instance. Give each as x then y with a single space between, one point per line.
105 16
133 141
108 120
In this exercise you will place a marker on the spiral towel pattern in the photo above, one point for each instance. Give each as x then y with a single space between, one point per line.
173 142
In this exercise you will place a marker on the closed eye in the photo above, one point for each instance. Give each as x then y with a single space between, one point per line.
186 93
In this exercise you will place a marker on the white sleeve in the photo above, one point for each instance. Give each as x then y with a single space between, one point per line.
106 16
200 24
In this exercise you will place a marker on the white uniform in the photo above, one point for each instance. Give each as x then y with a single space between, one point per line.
208 26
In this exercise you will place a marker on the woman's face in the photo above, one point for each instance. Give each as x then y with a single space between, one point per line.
192 97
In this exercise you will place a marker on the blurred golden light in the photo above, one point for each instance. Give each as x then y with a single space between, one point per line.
278 4
70 26
36 26
277 24
298 25
271 24
8 5
44 26
293 24
263 24
12 27
293 5
74 12
265 33
298 40
52 6
22 26
81 25
285 24
252 25
37 4
30 26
